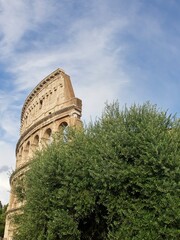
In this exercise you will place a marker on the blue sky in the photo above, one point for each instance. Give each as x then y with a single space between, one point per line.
112 49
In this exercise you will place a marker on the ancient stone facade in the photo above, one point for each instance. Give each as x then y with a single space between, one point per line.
50 106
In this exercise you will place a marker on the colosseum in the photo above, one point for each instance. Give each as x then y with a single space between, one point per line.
50 106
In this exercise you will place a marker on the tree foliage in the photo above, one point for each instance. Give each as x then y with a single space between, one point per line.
117 178
2 218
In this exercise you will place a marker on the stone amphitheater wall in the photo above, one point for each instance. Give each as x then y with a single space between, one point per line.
50 106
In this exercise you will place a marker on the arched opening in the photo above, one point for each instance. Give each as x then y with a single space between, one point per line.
26 150
63 128
40 104
63 125
35 143
48 136
19 156
36 140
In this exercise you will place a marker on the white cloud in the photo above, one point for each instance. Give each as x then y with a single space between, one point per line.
7 163
7 154
4 187
17 17
9 115
10 124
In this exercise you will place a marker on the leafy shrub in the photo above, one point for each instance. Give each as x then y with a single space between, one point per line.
115 179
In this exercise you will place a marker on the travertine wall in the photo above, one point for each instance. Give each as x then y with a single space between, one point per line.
50 106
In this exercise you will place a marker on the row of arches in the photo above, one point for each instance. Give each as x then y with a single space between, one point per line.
36 142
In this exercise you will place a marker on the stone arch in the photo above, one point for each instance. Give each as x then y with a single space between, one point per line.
26 151
40 103
35 143
63 128
63 124
19 156
47 137
36 140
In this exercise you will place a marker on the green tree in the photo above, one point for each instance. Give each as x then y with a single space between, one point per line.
117 178
2 218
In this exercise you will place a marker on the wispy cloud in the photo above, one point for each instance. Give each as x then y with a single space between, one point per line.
4 187
4 168
90 55
7 163
17 18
